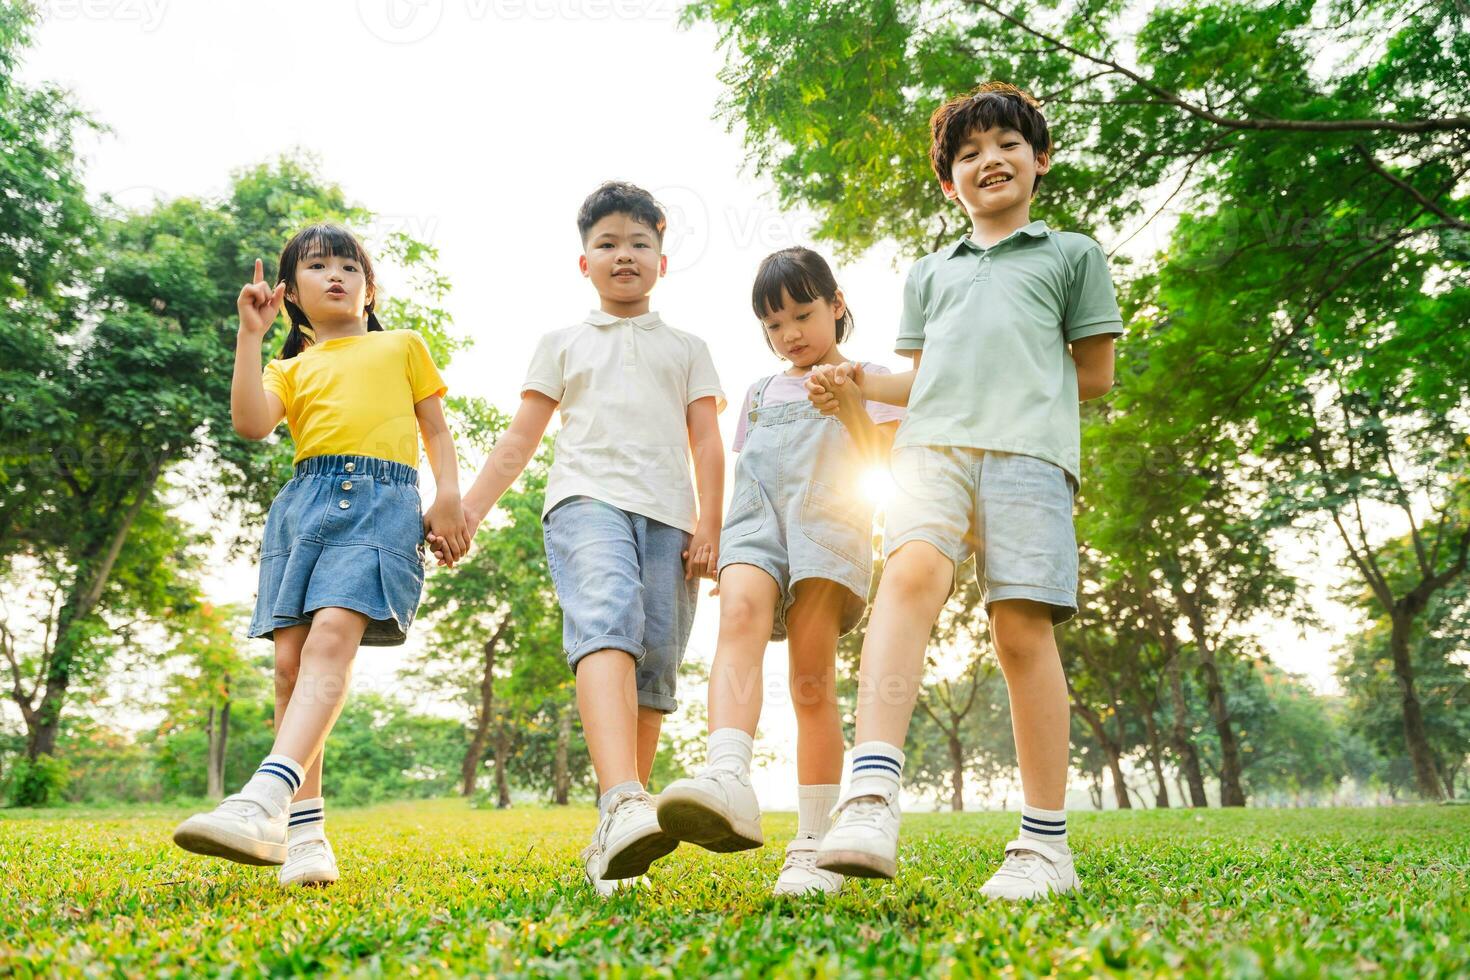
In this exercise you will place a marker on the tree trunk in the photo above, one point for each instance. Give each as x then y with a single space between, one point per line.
1231 791
1155 757
215 754
1113 753
502 758
561 776
94 569
1183 746
475 752
957 774
1426 773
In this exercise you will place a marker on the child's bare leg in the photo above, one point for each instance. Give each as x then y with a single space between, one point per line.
812 629
915 585
650 724
1027 649
748 599
321 684
288 667
607 699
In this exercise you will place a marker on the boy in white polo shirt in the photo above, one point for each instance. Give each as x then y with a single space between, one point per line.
625 542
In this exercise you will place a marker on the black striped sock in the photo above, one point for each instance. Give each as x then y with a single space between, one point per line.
1043 825
308 818
875 769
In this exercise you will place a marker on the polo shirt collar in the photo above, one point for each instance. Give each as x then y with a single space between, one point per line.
1036 229
647 321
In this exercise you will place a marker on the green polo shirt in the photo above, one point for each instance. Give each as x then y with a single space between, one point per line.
994 325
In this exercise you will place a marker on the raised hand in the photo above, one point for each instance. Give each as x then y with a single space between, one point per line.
258 304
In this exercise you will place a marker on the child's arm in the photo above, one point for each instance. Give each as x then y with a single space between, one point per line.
1094 359
445 518
890 389
703 557
512 452
254 411
873 440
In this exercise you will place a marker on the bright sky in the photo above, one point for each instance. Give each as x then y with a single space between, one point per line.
478 126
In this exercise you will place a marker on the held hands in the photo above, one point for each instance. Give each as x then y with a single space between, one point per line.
836 389
702 559
449 529
258 304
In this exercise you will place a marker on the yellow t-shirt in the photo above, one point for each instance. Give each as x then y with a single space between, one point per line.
354 396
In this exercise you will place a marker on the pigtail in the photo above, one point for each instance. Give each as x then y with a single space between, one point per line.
372 319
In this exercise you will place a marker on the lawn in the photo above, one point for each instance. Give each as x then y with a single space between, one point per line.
439 888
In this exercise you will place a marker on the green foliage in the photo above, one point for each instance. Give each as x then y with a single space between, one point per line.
443 889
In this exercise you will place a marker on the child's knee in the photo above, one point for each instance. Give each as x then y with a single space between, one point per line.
813 696
743 613
1022 632
918 573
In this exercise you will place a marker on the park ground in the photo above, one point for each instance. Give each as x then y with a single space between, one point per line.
438 888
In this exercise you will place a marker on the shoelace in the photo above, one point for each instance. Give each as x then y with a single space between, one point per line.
865 811
803 857
1020 864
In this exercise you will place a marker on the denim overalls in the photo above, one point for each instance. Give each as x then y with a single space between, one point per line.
797 511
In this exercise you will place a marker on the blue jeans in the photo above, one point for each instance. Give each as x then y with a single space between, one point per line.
619 577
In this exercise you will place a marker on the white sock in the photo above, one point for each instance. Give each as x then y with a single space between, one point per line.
308 821
874 770
1049 826
274 783
730 748
605 800
814 805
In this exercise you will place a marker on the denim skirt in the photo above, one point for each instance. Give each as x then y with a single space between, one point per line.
346 531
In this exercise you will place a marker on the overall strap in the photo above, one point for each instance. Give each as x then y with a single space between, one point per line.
760 392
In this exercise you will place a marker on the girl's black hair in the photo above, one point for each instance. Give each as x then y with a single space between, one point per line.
320 239
804 276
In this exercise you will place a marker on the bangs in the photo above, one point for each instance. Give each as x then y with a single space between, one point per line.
780 275
332 241
996 106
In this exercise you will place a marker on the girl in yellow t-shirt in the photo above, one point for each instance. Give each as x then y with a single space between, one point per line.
341 565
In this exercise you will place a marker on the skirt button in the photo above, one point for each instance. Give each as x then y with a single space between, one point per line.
344 505
346 485
350 467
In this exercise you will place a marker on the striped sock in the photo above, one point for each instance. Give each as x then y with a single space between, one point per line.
874 770
1043 825
274 783
308 821
814 803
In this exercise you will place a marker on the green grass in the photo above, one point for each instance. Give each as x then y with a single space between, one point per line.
437 888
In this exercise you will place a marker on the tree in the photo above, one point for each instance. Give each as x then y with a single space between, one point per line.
497 633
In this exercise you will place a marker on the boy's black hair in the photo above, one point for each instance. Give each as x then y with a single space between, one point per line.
994 105
801 274
313 240
621 197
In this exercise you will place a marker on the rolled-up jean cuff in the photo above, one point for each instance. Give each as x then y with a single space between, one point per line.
629 646
657 701
1064 605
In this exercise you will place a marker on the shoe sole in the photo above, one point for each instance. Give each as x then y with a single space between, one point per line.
634 857
857 864
214 842
690 817
309 883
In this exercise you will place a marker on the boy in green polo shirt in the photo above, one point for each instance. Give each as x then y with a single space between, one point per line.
1009 328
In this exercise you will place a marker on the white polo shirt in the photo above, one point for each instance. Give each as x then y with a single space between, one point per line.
624 386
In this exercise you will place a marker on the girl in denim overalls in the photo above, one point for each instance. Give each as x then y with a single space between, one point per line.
340 563
796 557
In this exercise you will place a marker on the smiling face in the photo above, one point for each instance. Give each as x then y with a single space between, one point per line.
994 173
804 333
623 259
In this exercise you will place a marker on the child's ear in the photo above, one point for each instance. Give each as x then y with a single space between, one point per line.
839 305
947 186
663 265
582 264
1043 163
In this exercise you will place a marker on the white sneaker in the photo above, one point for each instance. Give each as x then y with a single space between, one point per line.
240 829
863 841
311 862
716 809
628 839
1032 869
800 874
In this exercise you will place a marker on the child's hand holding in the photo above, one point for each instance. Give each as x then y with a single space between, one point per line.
836 388
258 304
446 529
440 546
